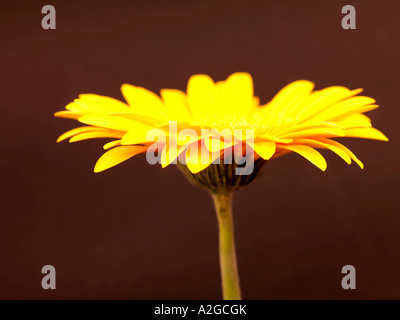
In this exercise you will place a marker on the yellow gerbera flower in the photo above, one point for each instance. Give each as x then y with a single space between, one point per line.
297 119
222 119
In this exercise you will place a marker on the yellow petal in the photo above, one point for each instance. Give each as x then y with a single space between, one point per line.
167 157
310 154
202 95
139 134
143 101
137 117
176 104
354 122
345 149
316 132
358 117
199 158
170 153
109 122
100 104
305 126
320 100
319 144
112 144
93 135
291 96
265 149
366 133
236 95
68 114
267 137
72 106
117 155
197 167
79 130
345 108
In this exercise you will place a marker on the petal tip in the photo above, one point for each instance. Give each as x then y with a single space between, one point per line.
98 168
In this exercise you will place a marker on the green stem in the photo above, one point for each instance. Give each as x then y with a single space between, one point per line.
227 252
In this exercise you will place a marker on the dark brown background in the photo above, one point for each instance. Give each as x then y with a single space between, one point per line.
140 232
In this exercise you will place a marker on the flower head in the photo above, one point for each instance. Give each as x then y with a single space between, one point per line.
221 118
